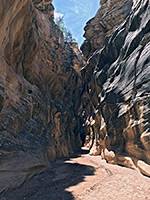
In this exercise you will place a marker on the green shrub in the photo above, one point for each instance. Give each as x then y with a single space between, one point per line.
67 34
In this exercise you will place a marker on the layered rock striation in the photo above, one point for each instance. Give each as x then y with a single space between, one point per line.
39 91
116 101
47 101
108 17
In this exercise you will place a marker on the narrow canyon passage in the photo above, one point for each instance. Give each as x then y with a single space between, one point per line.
53 95
83 177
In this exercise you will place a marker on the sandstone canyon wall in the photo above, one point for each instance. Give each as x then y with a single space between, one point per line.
116 101
39 91
46 102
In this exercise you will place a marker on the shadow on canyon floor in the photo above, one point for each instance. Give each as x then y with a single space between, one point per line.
53 184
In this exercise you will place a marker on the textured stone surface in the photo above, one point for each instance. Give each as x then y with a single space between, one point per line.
117 83
39 91
144 168
109 16
46 100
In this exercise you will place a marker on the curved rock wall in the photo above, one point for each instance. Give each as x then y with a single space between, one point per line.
42 91
108 17
39 91
116 101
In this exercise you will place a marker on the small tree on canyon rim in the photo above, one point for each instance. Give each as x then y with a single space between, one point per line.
67 34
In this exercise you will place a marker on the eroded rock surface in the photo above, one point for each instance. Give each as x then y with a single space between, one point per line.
116 101
109 16
39 91
46 100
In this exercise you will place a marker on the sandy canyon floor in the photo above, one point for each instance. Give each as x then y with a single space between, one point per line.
83 177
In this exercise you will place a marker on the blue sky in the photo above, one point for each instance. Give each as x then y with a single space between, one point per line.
76 13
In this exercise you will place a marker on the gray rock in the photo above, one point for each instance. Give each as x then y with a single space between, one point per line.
117 82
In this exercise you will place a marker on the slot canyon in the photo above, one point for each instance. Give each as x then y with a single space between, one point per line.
75 121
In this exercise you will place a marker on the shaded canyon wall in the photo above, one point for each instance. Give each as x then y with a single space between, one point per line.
46 102
116 101
39 91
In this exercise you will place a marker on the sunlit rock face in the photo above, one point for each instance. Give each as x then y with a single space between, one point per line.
45 6
110 14
39 91
116 101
